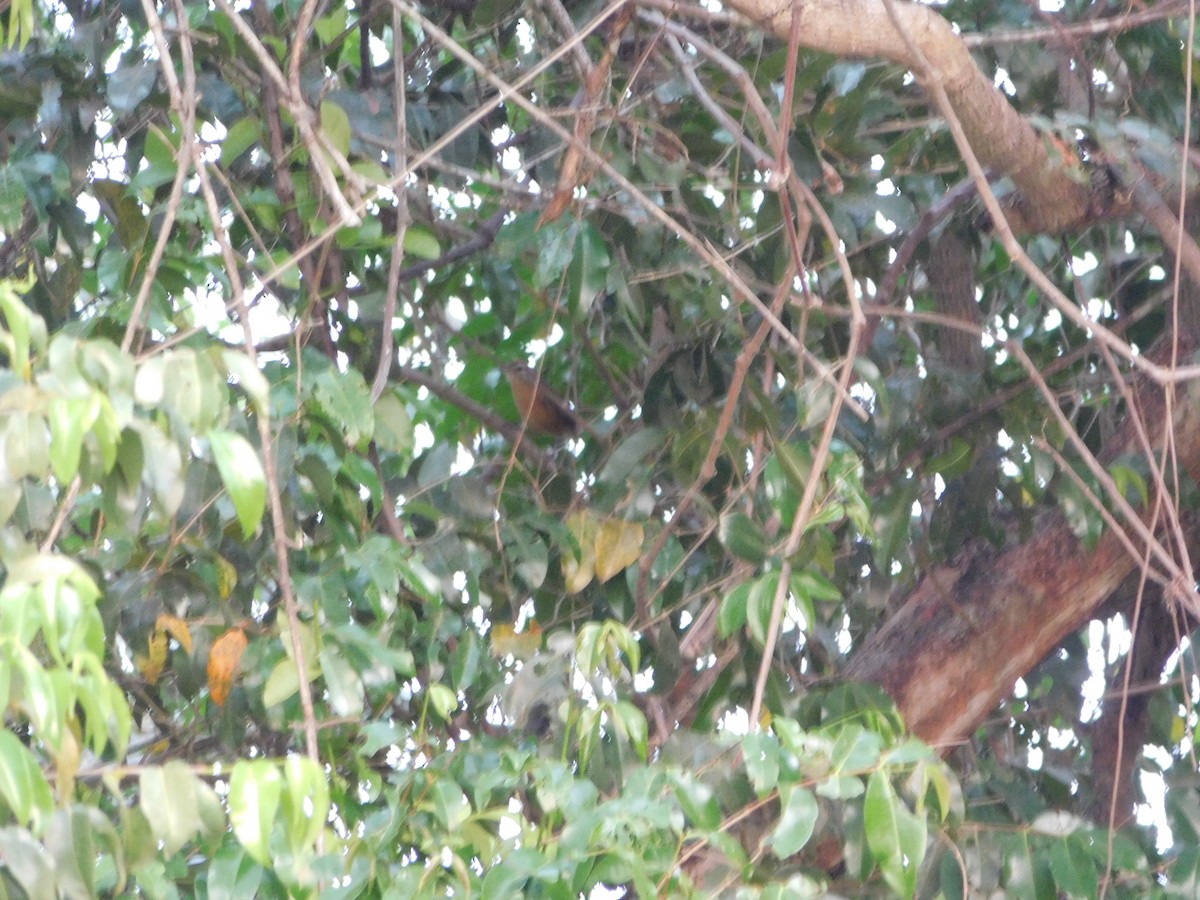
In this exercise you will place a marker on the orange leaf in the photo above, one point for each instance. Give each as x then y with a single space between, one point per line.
224 660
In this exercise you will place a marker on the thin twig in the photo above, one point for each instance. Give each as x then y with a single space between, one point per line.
387 339
183 165
317 144
278 522
60 518
562 19
1125 21
482 111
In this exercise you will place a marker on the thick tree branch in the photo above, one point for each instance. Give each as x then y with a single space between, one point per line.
1050 199
951 653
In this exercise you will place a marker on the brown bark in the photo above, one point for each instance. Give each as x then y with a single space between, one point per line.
951 653
1051 200
951 272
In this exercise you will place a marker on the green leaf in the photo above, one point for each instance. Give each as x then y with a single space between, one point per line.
743 538
233 875
759 605
1073 867
732 613
168 801
760 753
26 446
163 466
449 804
243 476
70 420
283 681
421 243
305 802
26 331
249 377
627 457
185 384
336 125
393 424
345 398
22 784
797 819
855 750
28 863
443 700
255 789
698 801
240 137
632 722
329 27
342 682
78 838
895 836
795 461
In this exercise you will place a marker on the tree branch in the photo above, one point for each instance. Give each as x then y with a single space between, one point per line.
951 653
1050 199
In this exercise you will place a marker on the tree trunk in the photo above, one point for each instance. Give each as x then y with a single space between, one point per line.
952 652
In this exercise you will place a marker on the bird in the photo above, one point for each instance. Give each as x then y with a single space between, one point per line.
541 411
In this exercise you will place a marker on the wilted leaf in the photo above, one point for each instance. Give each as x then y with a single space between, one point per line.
176 628
154 661
224 660
578 570
227 578
506 640
618 544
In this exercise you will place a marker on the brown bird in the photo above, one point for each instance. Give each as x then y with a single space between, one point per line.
541 411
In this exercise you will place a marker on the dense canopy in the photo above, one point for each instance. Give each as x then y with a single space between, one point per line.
654 448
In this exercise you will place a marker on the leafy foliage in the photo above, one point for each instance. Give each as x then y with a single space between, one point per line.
293 605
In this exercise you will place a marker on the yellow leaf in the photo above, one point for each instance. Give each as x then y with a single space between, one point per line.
66 761
224 660
506 640
226 578
155 660
579 570
618 544
1178 729
176 628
